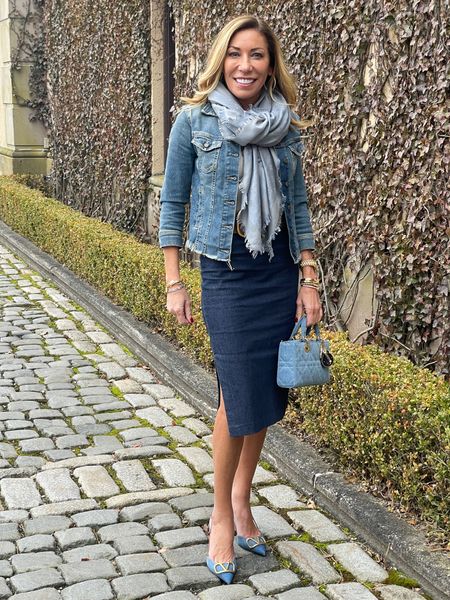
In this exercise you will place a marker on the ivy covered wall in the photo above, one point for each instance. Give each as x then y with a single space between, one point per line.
372 75
99 96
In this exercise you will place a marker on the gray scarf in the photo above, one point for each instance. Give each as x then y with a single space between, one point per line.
256 130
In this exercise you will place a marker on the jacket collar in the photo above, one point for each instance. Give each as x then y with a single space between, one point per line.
207 109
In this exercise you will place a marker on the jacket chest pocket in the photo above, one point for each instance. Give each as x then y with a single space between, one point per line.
207 149
294 152
289 156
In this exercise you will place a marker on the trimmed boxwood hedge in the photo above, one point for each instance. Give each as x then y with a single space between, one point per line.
387 419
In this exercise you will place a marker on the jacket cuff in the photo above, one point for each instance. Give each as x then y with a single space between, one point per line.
306 243
170 239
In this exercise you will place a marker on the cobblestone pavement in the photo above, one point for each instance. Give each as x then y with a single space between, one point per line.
106 475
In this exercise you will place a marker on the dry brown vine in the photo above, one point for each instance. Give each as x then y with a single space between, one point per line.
99 96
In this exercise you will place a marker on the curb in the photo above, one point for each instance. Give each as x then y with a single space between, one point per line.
297 461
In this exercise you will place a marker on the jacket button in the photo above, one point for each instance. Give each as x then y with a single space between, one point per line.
206 145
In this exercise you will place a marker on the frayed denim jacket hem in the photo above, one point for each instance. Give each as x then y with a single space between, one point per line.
202 170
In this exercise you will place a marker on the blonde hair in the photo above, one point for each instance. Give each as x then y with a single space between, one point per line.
280 79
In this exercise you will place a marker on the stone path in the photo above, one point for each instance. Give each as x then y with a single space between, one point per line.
106 475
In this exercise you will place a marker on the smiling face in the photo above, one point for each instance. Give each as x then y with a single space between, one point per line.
247 65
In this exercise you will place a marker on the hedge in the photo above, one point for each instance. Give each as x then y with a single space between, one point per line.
387 419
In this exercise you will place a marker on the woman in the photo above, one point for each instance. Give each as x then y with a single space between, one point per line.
234 154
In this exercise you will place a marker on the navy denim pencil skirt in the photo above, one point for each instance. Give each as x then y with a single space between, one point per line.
247 312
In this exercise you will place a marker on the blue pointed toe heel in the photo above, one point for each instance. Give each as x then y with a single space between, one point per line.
256 544
224 571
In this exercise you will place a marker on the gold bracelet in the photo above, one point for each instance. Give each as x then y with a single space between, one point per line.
310 262
177 289
309 282
172 282
310 285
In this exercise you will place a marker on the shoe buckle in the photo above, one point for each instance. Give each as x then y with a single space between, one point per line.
252 542
231 568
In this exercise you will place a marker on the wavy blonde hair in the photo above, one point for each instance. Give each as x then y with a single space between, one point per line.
280 80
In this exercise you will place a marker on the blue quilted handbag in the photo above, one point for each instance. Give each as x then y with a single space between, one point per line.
304 361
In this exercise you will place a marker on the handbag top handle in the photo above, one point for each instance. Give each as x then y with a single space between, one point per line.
301 323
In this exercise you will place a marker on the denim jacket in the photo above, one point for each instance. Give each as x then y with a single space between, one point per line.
202 168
